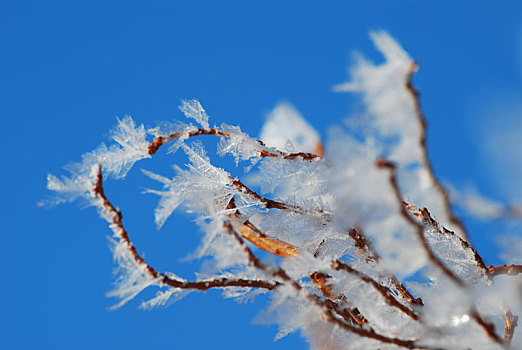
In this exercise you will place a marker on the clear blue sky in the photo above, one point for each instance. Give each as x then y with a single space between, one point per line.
68 68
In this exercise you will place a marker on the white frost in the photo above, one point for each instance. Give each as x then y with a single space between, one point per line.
193 109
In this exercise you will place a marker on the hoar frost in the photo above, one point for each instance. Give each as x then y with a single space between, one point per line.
355 266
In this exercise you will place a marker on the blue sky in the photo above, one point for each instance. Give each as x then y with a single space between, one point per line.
68 68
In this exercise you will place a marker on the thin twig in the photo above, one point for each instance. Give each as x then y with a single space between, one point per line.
454 219
267 152
290 156
116 219
488 327
271 204
490 271
329 310
510 270
428 219
268 203
481 321
283 249
365 246
419 229
161 140
382 290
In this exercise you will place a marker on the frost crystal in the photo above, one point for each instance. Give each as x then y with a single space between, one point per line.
193 109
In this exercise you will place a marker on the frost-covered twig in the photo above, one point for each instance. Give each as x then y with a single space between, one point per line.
480 319
262 152
329 310
271 204
115 217
283 249
488 327
454 219
510 270
419 229
385 292
365 246
161 140
251 233
425 215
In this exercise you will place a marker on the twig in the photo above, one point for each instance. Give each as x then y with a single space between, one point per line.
271 204
383 291
490 271
290 156
510 270
384 164
283 249
161 140
481 321
116 219
329 310
454 219
488 327
365 245
268 203
428 219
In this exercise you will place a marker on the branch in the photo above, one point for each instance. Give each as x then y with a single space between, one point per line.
424 147
283 249
115 217
510 270
241 187
280 248
365 246
428 219
271 204
488 327
383 291
328 308
161 140
290 156
384 164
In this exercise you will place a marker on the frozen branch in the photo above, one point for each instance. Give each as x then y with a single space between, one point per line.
116 219
419 229
262 152
510 270
329 309
454 219
383 291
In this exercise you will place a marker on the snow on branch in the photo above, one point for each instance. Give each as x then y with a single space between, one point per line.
357 265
